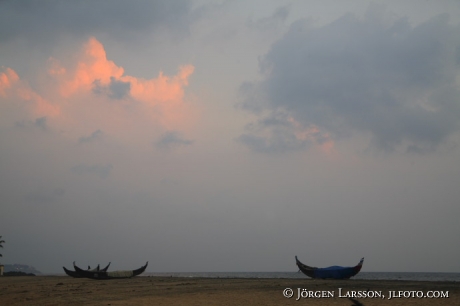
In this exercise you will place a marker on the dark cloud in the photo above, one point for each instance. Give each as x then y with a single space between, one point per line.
102 171
272 22
43 21
95 136
172 138
40 123
116 90
280 138
390 79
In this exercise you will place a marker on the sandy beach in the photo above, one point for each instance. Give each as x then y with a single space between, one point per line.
63 290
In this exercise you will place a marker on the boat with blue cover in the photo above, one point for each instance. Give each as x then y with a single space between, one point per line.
333 272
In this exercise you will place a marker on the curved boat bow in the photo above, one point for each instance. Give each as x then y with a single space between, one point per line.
112 274
333 272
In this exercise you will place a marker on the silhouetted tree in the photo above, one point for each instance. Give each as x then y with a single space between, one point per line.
1 244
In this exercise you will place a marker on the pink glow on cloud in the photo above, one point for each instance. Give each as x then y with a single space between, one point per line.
92 65
17 90
322 140
328 147
78 95
163 96
164 93
161 89
7 79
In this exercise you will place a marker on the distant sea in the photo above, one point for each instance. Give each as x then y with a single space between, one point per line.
408 276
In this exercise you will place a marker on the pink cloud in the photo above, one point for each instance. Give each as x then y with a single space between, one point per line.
18 94
92 65
88 91
162 97
163 89
7 78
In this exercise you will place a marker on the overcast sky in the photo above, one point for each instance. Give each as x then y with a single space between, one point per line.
230 135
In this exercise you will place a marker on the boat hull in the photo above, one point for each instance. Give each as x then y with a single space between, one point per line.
110 275
334 272
75 274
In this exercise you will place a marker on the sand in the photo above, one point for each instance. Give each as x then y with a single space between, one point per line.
64 290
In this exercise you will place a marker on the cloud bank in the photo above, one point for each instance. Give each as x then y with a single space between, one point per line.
52 20
376 76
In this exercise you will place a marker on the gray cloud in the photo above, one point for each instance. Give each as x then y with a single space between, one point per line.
278 142
281 137
43 21
172 138
95 136
118 89
102 171
272 22
389 79
115 90
40 123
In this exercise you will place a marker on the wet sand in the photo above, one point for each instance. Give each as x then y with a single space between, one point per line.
63 290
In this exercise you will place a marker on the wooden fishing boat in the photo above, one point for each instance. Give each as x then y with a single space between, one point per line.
76 275
110 275
333 272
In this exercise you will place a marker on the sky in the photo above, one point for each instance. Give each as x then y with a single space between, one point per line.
230 136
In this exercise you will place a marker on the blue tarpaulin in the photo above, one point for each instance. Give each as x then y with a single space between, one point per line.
334 272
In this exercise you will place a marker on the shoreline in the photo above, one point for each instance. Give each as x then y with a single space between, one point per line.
154 290
409 276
